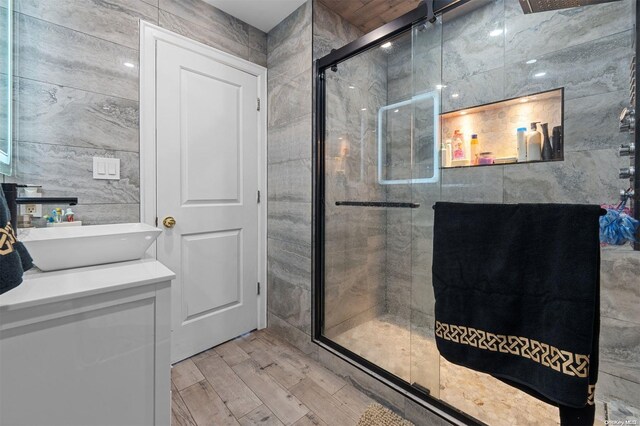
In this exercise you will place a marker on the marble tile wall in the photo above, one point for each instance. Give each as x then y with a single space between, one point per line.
355 246
74 98
587 51
289 59
592 65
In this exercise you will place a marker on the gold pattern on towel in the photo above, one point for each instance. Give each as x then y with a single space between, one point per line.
7 240
592 395
557 359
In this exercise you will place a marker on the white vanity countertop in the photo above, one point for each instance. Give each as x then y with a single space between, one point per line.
46 287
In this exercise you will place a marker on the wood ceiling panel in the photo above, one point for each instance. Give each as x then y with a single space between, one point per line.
368 15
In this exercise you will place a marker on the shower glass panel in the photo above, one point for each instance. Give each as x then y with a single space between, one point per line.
382 177
380 173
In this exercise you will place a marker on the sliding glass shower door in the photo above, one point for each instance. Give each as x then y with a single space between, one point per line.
381 179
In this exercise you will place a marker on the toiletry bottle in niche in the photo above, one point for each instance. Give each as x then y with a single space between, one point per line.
521 144
547 151
474 149
458 145
558 148
534 143
448 153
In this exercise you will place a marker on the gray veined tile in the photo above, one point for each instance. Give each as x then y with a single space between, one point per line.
112 20
478 89
291 334
529 36
289 28
611 388
620 348
470 45
67 171
289 98
591 68
52 114
205 15
100 214
58 55
473 184
290 181
619 296
583 177
290 302
290 141
289 262
291 222
592 122
330 30
210 36
289 44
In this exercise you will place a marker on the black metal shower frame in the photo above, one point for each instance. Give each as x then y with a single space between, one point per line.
372 39
425 10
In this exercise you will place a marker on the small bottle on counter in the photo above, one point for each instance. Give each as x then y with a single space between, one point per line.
521 144
448 153
475 149
534 143
458 145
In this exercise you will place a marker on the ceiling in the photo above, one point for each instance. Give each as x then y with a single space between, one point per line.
368 15
262 14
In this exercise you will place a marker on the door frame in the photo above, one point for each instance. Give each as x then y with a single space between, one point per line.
150 34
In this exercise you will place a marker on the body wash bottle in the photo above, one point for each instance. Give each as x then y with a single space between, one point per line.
547 151
474 149
534 143
521 144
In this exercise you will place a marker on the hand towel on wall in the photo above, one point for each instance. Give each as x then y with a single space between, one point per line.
517 296
14 258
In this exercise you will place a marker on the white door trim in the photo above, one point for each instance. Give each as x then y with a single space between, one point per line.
149 35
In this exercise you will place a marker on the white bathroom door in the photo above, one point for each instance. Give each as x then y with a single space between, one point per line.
207 180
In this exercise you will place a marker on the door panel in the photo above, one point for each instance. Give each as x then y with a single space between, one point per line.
207 151
211 171
204 292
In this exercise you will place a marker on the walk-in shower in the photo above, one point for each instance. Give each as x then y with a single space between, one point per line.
380 166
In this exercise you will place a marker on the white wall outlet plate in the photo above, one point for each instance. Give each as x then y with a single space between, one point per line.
35 210
106 168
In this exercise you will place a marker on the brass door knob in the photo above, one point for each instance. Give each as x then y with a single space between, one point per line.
169 222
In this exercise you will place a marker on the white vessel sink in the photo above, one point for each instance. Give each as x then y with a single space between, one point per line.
75 247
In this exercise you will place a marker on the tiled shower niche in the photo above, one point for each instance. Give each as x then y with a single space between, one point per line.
496 126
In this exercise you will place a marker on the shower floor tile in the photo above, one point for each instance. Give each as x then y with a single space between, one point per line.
387 342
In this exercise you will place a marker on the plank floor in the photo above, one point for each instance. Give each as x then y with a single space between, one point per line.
259 379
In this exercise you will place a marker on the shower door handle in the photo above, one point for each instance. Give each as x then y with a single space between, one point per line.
391 204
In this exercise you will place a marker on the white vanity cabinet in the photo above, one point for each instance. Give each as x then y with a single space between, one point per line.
87 346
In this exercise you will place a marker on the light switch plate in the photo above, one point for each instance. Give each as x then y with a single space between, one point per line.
106 168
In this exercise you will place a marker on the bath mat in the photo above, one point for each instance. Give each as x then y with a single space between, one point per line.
377 415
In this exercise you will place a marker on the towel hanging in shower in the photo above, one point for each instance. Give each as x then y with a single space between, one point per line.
517 296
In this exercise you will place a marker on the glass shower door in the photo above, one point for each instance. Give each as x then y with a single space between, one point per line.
382 176
426 80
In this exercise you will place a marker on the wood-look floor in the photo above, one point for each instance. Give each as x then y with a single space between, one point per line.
259 379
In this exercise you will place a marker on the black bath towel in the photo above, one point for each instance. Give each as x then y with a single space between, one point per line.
14 258
517 296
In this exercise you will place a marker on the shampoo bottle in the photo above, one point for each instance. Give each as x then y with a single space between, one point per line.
458 145
521 144
534 143
547 151
448 153
474 149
